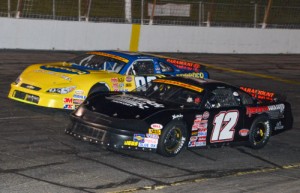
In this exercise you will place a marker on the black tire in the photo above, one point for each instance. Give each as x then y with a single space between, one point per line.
260 132
98 88
172 139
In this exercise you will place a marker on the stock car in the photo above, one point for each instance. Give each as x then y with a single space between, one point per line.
65 85
173 113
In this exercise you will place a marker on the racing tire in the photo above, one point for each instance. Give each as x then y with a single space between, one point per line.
98 88
260 132
172 139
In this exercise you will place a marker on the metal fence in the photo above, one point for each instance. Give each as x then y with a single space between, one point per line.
210 13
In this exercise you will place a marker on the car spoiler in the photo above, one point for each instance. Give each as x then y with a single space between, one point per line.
263 95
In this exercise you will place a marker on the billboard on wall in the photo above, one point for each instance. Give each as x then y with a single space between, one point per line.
170 9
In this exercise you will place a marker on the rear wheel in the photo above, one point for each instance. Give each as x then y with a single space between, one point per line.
260 132
172 140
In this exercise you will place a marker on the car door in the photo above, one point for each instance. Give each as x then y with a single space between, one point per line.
226 116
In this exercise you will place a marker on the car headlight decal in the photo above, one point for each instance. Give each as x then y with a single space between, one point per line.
63 90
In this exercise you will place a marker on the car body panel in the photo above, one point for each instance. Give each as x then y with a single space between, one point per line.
134 118
117 71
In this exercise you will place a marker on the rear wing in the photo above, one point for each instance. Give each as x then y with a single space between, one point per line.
263 95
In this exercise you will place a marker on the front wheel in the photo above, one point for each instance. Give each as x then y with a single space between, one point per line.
172 140
260 132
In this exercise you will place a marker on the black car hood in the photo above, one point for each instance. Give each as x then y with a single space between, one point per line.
126 106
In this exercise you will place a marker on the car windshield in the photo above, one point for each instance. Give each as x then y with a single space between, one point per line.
171 93
97 62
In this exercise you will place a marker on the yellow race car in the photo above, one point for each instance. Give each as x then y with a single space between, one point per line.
65 85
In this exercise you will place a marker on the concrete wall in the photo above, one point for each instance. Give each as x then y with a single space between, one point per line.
69 35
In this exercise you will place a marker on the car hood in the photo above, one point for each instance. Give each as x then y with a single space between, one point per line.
54 74
126 106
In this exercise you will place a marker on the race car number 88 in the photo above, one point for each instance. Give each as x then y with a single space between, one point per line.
224 124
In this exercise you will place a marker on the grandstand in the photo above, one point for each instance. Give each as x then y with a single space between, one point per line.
225 13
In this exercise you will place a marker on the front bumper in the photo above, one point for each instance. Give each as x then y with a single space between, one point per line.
106 136
40 98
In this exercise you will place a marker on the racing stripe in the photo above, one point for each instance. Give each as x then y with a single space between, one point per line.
135 36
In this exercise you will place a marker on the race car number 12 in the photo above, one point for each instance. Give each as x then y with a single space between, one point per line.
224 124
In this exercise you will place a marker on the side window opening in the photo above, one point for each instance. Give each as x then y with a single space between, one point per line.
222 97
143 67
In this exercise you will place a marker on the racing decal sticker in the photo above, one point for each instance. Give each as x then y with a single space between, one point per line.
254 110
64 70
206 115
259 94
179 116
139 137
54 74
199 132
110 56
77 96
70 107
77 101
128 78
79 92
131 143
154 136
133 101
244 132
194 75
154 131
185 64
224 126
156 126
278 126
68 100
180 84
149 143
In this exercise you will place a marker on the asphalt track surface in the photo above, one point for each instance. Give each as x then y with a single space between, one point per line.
36 155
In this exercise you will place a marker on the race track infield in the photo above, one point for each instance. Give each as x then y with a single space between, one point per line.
37 156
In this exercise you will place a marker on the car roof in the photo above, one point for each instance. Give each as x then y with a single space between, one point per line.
203 83
129 55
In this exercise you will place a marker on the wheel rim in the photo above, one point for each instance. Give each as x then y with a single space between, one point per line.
173 139
259 133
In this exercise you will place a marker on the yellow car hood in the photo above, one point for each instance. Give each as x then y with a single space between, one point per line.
58 73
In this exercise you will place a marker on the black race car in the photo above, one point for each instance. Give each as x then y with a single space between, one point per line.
171 113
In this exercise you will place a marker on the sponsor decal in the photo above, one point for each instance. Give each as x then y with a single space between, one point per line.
133 101
128 78
121 79
139 137
244 132
194 75
76 96
254 110
185 64
154 136
110 56
278 126
199 117
131 143
151 140
202 133
193 138
154 131
192 144
156 126
194 133
200 143
114 80
66 70
259 94
128 85
179 116
54 74
202 138
205 115
79 92
180 84
77 101
148 145
66 106
68 100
